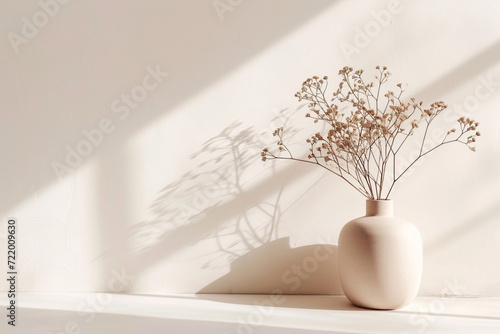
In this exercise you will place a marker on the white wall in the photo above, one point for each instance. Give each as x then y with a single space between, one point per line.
176 195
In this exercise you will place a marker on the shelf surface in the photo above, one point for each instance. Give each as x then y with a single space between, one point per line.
94 313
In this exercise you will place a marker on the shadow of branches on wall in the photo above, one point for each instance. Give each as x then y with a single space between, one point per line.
219 202
211 194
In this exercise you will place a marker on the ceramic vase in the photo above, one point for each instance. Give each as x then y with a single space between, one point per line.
380 258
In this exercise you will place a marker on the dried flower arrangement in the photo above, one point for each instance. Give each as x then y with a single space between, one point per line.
366 130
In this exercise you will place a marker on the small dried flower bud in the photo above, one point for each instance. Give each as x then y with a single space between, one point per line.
325 78
264 158
478 133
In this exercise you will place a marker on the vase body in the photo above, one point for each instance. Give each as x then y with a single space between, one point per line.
380 258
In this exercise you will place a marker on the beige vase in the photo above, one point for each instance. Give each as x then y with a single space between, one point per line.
380 258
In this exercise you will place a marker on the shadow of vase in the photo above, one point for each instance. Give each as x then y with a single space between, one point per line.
275 267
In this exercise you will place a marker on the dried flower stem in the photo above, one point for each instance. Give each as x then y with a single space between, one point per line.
361 145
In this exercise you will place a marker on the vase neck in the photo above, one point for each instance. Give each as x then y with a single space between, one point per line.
379 207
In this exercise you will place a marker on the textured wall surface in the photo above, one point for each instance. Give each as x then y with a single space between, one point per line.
131 133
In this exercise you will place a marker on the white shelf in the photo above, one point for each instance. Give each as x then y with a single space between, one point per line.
42 313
